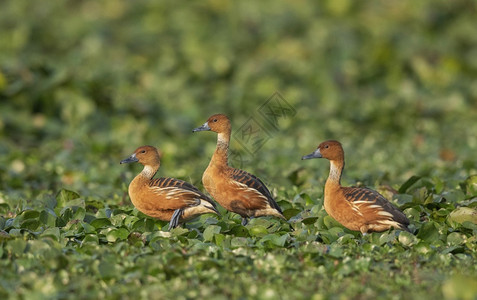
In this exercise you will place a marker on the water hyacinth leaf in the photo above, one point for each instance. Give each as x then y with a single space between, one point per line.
48 217
407 239
64 196
30 224
100 223
408 183
117 234
4 236
309 220
455 239
291 212
88 228
90 239
4 208
469 186
219 239
239 230
428 232
79 213
463 214
258 230
30 214
454 196
53 233
275 239
210 231
329 222
238 242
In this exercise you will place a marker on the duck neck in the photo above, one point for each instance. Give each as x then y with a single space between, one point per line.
149 171
336 169
221 152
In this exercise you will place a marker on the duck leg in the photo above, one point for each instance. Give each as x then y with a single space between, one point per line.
175 218
244 221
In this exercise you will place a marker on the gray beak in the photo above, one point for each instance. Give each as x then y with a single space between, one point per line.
130 159
204 127
315 154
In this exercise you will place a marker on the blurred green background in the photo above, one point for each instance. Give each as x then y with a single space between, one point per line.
84 83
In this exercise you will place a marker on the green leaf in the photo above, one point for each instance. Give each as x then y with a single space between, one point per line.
64 196
428 232
309 220
117 234
30 214
463 214
455 239
407 239
258 230
406 185
53 233
291 212
4 208
238 242
100 223
210 231
329 222
48 217
90 239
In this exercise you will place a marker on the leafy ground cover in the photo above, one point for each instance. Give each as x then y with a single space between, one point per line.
82 84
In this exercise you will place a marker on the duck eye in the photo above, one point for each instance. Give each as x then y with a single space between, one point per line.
214 120
326 146
143 151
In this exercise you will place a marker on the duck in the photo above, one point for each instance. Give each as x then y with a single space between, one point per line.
236 190
356 208
166 199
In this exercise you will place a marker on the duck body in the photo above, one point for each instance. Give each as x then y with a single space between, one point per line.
236 190
356 208
167 199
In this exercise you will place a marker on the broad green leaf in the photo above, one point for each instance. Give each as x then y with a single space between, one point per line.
48 217
463 214
470 186
4 208
210 231
406 185
407 239
291 212
64 196
310 220
30 214
90 239
329 222
258 230
428 232
455 239
53 233
100 223
238 242
117 234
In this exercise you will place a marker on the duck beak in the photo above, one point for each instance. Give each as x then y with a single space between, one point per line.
315 154
130 159
204 127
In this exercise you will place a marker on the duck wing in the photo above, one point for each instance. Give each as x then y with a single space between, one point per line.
374 207
253 185
177 193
